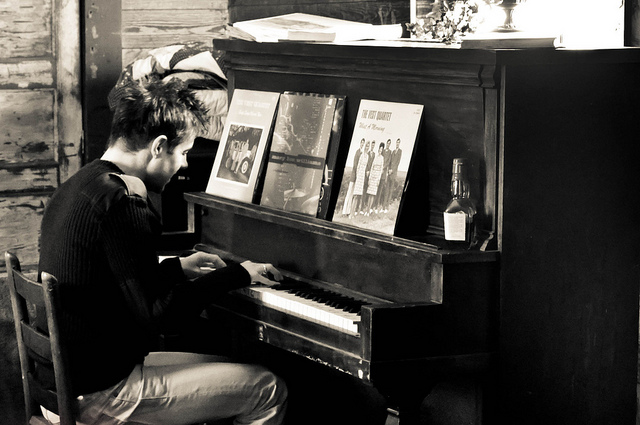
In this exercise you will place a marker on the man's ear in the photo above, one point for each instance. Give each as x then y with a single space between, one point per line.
158 145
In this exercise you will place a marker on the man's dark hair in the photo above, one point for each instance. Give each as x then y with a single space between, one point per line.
147 110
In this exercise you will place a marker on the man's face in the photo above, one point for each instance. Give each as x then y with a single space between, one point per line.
162 167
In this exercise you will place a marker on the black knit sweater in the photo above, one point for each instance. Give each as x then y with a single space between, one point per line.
99 240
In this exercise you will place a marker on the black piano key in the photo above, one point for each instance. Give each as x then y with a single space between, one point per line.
321 296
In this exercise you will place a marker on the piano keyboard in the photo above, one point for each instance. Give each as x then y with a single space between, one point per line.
315 304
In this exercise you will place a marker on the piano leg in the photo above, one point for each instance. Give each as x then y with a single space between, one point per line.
476 391
403 406
405 385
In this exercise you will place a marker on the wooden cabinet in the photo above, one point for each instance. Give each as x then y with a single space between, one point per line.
552 136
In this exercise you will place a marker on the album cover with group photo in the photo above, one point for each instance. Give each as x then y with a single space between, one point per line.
377 165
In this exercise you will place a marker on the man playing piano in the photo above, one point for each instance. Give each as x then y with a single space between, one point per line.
98 238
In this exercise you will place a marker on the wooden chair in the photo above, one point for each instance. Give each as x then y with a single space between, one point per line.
42 358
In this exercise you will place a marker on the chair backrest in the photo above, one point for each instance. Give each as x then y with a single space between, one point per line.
42 358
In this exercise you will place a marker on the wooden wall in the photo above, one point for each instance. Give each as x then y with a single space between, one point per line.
40 143
119 31
39 114
146 25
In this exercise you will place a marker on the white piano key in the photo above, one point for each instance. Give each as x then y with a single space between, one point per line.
306 308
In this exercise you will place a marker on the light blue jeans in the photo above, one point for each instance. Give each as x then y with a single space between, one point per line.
186 388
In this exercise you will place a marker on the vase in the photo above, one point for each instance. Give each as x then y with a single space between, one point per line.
508 6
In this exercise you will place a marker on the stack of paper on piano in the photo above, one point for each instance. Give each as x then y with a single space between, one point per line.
306 27
509 40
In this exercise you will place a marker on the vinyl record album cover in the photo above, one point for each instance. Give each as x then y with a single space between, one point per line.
296 160
377 165
247 130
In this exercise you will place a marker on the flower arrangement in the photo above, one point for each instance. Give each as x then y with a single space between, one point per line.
447 22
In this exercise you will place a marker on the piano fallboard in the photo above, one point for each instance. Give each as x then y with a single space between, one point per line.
387 267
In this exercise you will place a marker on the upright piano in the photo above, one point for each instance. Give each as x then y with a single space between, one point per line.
395 312
401 312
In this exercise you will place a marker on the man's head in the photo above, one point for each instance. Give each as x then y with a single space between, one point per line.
160 108
153 128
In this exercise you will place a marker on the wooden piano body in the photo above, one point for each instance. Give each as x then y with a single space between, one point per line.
438 311
435 310
430 311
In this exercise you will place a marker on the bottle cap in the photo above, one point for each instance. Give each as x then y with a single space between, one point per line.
459 165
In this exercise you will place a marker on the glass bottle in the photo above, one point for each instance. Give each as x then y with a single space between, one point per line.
460 214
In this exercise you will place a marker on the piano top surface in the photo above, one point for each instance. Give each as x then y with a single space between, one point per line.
307 224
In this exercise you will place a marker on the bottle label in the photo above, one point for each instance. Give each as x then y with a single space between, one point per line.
455 226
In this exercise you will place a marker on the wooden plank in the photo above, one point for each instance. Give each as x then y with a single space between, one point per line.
375 12
20 218
166 39
26 29
26 74
277 3
173 4
129 55
27 123
69 104
40 178
101 52
632 28
245 13
236 3
159 28
178 21
372 12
